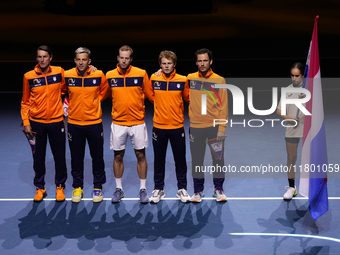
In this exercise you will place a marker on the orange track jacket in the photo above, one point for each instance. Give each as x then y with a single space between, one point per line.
217 100
41 95
128 107
166 95
85 96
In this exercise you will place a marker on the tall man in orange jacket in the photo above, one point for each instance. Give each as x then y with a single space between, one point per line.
42 114
86 92
166 92
127 86
202 127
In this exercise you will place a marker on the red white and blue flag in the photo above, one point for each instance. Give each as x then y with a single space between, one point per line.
314 162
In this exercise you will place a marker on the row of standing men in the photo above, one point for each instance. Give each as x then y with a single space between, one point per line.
42 115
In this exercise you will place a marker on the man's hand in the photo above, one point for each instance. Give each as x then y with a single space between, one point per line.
159 72
220 136
28 129
93 68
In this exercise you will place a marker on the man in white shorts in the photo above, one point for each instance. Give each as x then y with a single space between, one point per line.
128 110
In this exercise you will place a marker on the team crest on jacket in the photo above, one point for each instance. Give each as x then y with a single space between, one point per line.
94 81
54 78
135 81
36 82
178 85
71 82
113 82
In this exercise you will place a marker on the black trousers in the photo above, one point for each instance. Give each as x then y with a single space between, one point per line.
198 137
77 136
160 138
55 133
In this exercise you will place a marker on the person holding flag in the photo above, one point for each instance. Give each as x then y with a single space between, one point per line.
202 126
294 129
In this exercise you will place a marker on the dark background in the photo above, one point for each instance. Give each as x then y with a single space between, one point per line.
248 38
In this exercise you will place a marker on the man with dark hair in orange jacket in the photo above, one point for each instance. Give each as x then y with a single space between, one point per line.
87 89
202 127
42 115
166 92
127 86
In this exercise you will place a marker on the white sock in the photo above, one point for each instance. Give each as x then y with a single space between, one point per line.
119 183
142 183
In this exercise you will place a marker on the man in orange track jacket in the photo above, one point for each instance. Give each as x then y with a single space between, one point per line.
166 92
127 86
87 89
202 126
42 116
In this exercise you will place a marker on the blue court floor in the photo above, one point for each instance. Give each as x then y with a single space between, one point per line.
255 220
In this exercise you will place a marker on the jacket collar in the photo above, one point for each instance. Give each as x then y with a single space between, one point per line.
171 75
88 71
209 74
120 70
38 70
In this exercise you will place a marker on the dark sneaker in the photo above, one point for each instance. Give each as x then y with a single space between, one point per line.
117 196
143 196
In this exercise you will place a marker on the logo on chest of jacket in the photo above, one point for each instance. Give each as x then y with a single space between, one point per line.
71 82
135 81
36 82
54 78
113 82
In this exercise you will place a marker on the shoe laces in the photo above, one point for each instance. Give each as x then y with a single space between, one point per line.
156 192
60 188
184 192
219 191
118 190
40 190
288 188
77 192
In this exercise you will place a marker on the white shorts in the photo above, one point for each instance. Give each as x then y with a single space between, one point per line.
119 134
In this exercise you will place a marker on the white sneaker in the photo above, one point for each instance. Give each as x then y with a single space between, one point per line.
220 197
197 197
183 195
290 193
157 195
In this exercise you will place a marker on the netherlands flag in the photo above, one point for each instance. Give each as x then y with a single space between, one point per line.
313 181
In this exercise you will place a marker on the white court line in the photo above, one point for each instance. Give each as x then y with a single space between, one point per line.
290 235
166 198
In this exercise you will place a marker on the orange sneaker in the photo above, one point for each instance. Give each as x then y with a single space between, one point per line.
41 193
60 196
